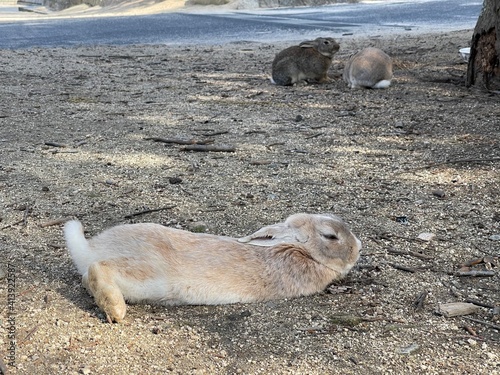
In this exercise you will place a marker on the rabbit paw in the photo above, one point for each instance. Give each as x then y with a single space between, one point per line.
106 293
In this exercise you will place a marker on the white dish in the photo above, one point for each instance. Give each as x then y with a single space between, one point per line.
465 53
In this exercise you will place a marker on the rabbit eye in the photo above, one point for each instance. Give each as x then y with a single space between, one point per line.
330 236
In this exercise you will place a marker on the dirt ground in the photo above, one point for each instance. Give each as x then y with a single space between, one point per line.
420 157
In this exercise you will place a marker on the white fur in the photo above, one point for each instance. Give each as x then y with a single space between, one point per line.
155 264
385 83
78 246
369 68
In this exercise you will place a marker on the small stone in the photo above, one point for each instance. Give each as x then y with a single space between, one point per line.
439 193
198 227
491 356
495 237
175 180
3 273
45 188
299 118
426 236
85 371
409 349
402 220
472 342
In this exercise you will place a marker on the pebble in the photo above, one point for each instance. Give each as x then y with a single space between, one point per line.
439 193
409 349
198 227
472 342
402 220
426 236
174 180
3 273
495 237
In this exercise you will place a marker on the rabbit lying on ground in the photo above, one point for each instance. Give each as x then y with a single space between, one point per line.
370 68
310 60
156 264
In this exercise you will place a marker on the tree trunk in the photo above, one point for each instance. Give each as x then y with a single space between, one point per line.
484 60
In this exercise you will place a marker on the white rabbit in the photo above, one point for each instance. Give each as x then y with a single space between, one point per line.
156 264
310 60
370 68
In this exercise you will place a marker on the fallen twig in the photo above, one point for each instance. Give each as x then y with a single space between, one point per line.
460 161
23 221
255 132
56 245
180 141
384 319
469 330
314 135
148 211
55 144
402 268
159 318
473 262
208 148
29 334
260 162
275 144
479 303
411 253
13 224
488 324
476 273
212 134
25 216
54 222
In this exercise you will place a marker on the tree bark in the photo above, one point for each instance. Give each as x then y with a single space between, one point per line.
484 60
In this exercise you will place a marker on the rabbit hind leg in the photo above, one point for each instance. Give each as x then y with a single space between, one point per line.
99 280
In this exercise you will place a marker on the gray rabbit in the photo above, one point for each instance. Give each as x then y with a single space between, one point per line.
309 61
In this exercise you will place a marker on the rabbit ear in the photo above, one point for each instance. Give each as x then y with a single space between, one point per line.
309 44
273 235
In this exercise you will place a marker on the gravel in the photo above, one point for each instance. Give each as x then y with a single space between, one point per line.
72 144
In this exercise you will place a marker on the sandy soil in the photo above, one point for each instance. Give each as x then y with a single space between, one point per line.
419 157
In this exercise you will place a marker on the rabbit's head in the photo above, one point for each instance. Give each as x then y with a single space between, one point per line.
325 46
327 239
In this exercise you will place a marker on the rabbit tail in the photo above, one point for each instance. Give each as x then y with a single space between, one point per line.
382 84
78 245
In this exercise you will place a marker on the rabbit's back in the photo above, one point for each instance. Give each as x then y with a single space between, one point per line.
370 68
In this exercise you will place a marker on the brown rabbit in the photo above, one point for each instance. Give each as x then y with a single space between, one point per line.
309 61
369 68
156 264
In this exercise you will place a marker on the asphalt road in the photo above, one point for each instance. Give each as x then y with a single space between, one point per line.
259 25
